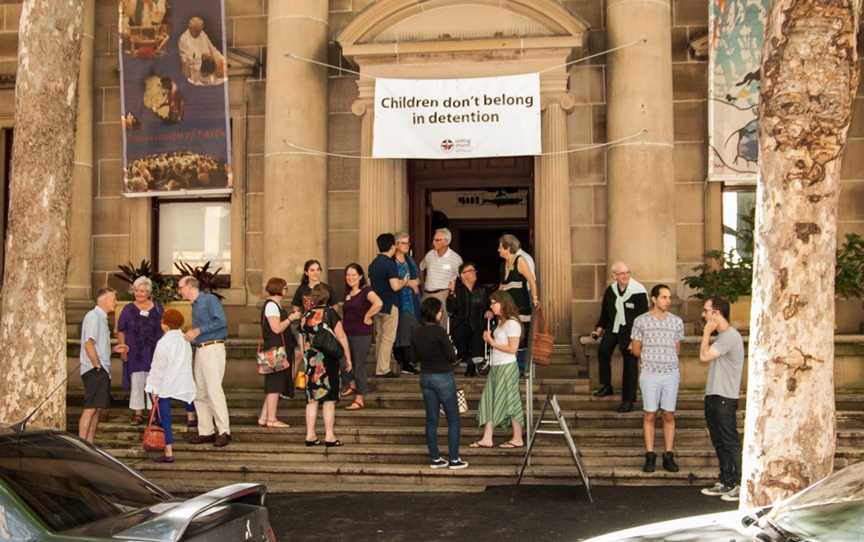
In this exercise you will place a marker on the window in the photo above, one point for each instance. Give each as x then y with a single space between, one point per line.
194 232
739 206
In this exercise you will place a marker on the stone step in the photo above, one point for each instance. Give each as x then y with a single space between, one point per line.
415 434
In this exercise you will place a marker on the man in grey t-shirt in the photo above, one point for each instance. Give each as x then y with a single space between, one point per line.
726 359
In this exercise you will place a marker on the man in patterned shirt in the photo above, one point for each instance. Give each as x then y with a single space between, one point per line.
656 340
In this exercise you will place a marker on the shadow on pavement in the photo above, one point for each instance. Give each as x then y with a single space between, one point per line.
536 513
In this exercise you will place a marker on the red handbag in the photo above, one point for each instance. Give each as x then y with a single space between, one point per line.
154 436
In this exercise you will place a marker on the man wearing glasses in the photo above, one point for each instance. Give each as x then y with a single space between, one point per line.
440 267
623 301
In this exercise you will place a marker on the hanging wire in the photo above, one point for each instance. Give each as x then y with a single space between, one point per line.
552 68
300 150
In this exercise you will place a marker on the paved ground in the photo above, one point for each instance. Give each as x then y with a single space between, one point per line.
538 513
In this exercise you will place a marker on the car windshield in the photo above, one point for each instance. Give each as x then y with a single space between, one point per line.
68 483
830 510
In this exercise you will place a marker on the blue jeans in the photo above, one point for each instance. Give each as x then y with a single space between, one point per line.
440 389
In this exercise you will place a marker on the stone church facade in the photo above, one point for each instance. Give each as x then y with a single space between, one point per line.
644 201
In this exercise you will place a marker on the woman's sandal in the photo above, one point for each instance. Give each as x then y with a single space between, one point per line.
510 445
334 444
316 442
262 423
355 406
137 419
478 444
276 423
350 390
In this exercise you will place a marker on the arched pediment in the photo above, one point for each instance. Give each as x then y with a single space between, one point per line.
390 22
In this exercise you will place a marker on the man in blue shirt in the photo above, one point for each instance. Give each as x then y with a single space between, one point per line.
208 337
95 360
385 279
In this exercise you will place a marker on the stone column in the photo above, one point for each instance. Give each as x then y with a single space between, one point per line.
78 272
381 191
295 185
552 196
641 206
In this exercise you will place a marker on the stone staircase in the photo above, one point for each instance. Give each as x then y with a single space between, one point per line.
384 443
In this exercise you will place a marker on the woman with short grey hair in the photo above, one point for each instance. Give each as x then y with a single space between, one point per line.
139 327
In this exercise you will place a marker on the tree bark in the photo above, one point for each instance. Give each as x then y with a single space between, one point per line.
809 80
33 319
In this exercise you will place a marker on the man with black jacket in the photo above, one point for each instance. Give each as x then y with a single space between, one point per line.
623 301
468 307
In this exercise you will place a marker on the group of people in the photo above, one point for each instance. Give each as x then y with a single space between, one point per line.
430 317
650 342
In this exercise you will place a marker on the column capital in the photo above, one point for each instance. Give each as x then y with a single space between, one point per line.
564 101
360 107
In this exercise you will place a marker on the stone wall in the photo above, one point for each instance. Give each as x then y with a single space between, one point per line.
122 229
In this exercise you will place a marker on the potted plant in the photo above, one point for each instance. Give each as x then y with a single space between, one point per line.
208 281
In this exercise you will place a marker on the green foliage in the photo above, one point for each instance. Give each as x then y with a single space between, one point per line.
206 279
164 287
849 279
724 274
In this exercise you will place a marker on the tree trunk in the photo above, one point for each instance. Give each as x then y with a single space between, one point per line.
809 80
33 320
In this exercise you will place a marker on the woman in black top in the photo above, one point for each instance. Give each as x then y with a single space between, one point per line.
275 333
433 350
519 281
302 300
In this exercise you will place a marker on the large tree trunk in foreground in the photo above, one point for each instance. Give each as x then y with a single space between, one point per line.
809 79
33 321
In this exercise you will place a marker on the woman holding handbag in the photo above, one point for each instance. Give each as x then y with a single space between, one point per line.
432 348
279 343
324 345
170 376
501 404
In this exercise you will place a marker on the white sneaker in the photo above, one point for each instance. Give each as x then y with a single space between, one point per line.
716 490
456 464
439 463
732 495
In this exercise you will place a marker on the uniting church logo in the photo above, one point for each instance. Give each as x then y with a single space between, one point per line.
447 145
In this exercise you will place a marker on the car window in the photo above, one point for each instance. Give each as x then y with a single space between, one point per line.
68 483
14 526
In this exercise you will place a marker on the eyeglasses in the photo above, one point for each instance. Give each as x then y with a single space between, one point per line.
438 240
404 242
469 270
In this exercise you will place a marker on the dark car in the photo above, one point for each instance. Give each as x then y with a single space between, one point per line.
831 510
54 487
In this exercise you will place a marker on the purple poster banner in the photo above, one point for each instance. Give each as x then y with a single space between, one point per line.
174 98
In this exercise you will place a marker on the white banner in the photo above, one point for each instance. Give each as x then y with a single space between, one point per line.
457 118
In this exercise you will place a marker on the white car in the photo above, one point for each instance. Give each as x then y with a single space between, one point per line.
831 510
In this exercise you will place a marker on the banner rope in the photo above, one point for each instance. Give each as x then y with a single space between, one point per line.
315 152
553 68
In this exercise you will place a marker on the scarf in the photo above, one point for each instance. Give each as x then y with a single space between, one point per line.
632 289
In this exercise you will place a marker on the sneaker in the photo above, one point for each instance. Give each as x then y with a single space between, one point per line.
716 490
456 464
669 464
732 495
391 374
439 463
650 462
410 369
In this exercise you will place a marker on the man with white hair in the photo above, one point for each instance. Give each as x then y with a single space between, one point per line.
440 268
623 301
202 62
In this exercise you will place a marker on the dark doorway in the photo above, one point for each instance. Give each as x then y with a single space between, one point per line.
478 200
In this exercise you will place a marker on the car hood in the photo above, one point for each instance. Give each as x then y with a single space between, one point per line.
719 527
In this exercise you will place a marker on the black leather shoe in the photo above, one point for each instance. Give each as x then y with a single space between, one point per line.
626 406
603 391
669 462
650 462
471 370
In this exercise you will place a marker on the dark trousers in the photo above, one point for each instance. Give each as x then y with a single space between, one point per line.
723 427
439 389
630 378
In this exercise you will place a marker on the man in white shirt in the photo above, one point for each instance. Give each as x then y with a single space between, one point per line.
196 52
440 267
